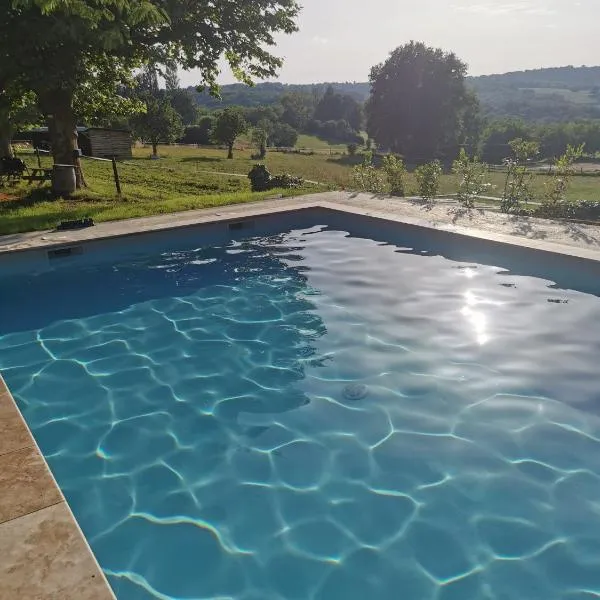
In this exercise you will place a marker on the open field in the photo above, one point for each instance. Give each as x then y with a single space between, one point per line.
189 178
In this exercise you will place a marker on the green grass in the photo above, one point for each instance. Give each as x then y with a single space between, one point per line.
177 182
314 143
189 178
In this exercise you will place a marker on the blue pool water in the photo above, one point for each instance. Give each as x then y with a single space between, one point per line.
317 415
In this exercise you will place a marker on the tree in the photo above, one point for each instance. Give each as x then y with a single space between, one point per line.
160 123
417 102
181 100
57 44
298 109
339 107
229 125
200 134
284 136
495 143
260 138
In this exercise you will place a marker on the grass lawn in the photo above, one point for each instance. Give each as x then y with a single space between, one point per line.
188 178
183 180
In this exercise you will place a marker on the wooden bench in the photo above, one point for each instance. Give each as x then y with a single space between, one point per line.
38 174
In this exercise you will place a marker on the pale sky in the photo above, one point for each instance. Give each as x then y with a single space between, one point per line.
339 40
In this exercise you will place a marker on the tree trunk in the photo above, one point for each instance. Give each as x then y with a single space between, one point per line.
154 149
5 147
5 137
62 127
230 151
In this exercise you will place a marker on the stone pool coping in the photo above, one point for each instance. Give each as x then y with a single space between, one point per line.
43 553
571 239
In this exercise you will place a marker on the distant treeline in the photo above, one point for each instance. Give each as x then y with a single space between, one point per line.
553 138
541 95
326 113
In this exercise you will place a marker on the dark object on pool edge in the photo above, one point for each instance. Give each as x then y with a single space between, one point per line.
355 391
76 224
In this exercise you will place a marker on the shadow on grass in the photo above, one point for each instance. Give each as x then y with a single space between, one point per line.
347 160
23 198
201 159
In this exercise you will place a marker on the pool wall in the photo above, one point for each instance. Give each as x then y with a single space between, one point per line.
43 553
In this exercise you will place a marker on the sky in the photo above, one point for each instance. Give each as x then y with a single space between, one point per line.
340 40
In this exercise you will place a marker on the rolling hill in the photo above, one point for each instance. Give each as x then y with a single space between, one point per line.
540 95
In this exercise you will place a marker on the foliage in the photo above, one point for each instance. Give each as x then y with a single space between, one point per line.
334 106
556 188
352 148
283 136
260 178
55 45
159 122
395 172
230 124
334 131
496 138
286 181
584 210
417 103
17 110
541 95
259 137
428 180
517 185
471 178
366 178
200 134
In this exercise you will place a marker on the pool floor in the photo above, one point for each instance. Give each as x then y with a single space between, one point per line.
317 415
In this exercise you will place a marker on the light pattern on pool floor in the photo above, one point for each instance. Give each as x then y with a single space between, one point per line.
314 415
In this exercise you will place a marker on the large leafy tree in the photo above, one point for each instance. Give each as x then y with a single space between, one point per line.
230 124
55 45
418 102
158 121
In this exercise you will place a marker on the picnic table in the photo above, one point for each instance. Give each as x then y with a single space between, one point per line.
39 174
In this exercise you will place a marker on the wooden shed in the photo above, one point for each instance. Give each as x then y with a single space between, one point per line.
101 142
105 143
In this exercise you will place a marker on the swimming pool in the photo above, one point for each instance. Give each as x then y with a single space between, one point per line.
323 413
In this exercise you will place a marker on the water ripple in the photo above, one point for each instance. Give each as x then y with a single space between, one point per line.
319 416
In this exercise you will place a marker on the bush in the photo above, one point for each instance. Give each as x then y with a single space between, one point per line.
395 171
352 149
556 188
283 136
471 178
286 181
517 187
585 210
366 178
199 134
334 131
428 180
260 178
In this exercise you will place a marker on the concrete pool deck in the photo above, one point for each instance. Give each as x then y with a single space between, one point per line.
43 554
571 238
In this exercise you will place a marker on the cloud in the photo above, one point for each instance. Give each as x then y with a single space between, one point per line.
517 7
317 40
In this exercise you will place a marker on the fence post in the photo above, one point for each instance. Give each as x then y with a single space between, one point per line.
37 153
116 174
